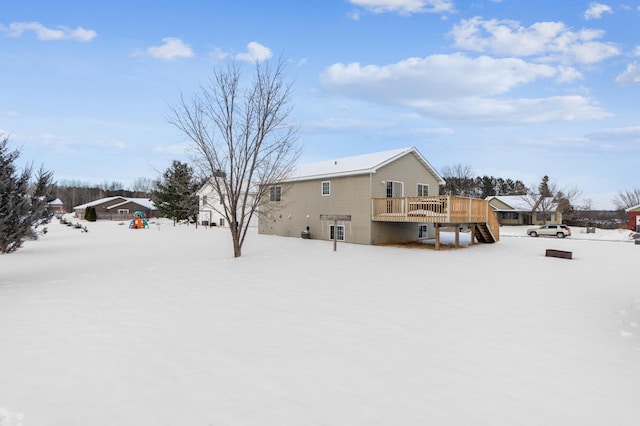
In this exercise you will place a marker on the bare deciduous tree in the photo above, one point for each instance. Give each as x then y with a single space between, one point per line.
627 199
548 198
241 138
459 180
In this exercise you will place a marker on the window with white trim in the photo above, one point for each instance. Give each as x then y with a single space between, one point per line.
423 232
340 235
123 211
326 188
275 193
423 190
395 188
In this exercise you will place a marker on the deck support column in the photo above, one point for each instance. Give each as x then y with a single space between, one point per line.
473 234
457 235
437 236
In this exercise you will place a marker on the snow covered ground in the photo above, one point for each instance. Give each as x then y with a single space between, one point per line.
163 327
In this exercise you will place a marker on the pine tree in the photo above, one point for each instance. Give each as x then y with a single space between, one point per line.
19 211
175 193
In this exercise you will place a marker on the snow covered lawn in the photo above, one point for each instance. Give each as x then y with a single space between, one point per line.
163 327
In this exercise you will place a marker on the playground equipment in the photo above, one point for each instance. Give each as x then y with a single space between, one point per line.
138 221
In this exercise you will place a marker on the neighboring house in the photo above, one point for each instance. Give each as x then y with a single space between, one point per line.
634 217
523 210
55 207
210 209
118 208
389 197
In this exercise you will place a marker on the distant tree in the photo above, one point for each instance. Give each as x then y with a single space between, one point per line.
543 188
74 193
143 185
511 187
459 180
548 198
112 186
90 214
19 210
627 199
241 134
175 193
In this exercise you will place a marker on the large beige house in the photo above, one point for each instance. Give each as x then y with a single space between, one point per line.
377 198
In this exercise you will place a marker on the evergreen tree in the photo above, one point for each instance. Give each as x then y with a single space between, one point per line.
19 210
175 193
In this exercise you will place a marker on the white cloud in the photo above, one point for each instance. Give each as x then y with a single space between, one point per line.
501 111
547 41
255 53
457 87
16 29
340 125
432 132
630 76
404 7
171 48
596 10
218 54
621 134
435 76
636 51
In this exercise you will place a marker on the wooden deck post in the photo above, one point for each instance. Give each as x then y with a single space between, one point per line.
457 236
473 235
437 236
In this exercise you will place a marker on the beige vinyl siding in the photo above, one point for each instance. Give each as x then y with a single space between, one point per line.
303 203
410 171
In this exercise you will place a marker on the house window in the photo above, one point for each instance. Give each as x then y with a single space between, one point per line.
275 193
394 189
422 231
123 211
326 187
540 217
204 200
221 221
340 236
423 190
510 215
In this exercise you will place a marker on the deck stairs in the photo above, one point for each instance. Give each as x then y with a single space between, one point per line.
483 233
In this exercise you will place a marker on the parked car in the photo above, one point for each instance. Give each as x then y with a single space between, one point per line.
559 231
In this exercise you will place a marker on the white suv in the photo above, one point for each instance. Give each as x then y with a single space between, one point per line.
559 231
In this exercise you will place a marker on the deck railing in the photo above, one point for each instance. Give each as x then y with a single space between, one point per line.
443 209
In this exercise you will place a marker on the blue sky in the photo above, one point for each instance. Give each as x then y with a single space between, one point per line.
512 89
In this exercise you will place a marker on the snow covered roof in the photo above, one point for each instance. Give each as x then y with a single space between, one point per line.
56 202
520 203
632 208
118 201
357 165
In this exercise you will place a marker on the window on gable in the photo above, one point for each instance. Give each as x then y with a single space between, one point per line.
275 193
326 187
204 200
423 190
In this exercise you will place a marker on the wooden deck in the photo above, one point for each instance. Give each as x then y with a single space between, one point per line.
441 210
